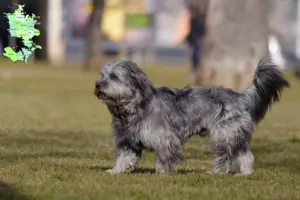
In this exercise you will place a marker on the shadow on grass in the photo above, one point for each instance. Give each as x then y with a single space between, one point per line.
54 154
9 193
268 153
146 170
179 171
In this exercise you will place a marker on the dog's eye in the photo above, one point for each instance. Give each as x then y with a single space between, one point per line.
114 77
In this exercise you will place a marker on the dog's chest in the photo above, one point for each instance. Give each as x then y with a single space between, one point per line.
128 129
138 132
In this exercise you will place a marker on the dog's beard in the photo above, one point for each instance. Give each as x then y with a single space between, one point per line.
100 94
114 94
105 98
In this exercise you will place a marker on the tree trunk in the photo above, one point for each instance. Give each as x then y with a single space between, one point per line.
94 56
200 4
236 39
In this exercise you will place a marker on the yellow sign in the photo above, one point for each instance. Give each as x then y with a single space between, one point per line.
113 19
113 2
113 23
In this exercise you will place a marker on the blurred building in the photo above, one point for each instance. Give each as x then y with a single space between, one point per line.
153 25
284 22
64 24
140 27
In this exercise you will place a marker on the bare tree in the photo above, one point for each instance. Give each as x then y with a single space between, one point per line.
94 44
236 38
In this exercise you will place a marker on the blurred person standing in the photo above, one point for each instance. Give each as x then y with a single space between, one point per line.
191 28
195 36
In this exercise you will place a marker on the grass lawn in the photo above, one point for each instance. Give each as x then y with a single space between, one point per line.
56 143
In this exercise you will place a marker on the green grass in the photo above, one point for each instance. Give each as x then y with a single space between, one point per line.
55 143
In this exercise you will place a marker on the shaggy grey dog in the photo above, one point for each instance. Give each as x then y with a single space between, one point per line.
162 119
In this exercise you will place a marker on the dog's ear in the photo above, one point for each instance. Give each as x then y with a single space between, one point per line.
140 80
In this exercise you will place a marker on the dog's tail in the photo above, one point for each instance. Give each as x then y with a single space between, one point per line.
268 83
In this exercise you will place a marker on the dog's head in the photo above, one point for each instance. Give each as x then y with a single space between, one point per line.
122 82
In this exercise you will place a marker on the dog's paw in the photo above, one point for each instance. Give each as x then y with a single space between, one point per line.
215 172
241 174
209 172
112 171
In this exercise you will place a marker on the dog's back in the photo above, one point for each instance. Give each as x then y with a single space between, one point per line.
268 83
202 107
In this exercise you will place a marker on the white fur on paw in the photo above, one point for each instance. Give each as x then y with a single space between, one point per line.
240 174
213 172
160 171
114 171
111 171
209 172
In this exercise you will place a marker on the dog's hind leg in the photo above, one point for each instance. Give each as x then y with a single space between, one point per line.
244 159
229 141
244 163
222 161
164 168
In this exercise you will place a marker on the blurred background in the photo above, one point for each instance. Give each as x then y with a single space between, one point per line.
93 32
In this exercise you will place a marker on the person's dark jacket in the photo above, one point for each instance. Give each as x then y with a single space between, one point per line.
197 29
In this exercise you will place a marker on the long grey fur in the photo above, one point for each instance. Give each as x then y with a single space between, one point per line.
161 119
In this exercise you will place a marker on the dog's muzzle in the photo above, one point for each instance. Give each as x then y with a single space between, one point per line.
99 90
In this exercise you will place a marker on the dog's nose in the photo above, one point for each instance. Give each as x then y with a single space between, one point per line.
98 84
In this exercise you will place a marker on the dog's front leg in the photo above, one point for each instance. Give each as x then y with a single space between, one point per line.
167 155
127 154
126 160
